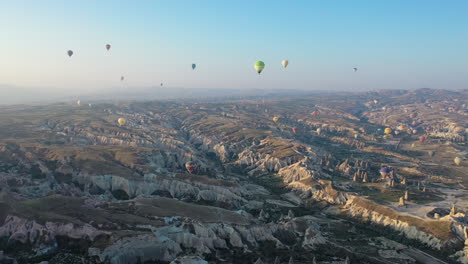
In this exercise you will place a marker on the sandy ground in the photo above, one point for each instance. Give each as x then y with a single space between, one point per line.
421 210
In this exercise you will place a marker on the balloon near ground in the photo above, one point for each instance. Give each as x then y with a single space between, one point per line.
422 139
259 66
388 131
122 121
191 166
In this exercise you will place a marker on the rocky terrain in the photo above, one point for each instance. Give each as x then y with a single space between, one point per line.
77 187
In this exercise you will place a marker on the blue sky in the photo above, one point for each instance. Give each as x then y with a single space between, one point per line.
395 44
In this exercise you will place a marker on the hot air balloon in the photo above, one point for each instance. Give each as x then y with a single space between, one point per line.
90 105
161 84
388 131
285 63
191 166
319 131
315 113
294 130
259 66
70 53
412 115
376 101
78 102
422 139
275 119
122 121
401 127
355 69
108 46
122 78
397 132
385 136
457 161
413 145
194 66
431 153
384 171
415 131
356 136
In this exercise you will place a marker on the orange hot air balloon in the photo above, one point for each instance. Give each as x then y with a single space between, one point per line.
294 129
422 139
275 119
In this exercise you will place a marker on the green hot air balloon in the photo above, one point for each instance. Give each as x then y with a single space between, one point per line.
259 66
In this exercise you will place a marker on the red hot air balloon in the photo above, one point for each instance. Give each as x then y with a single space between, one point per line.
413 115
294 129
315 113
191 166
108 46
422 139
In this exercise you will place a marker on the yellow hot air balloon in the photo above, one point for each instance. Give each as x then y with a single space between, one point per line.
285 63
385 136
122 121
457 161
401 127
275 119
388 131
413 145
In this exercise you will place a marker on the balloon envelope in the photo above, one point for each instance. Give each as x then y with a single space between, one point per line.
388 131
259 66
190 166
275 119
285 63
108 46
194 66
122 121
70 53
457 161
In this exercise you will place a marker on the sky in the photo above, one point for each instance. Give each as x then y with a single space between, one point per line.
396 44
